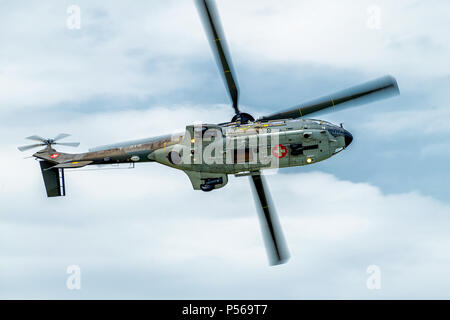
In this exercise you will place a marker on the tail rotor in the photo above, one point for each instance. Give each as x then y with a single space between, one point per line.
48 142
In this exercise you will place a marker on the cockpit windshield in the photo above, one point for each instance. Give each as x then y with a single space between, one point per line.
321 121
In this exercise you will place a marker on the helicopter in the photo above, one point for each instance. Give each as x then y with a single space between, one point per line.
243 146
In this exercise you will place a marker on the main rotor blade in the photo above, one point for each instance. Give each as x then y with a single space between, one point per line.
31 146
61 136
381 88
211 22
36 138
70 144
276 247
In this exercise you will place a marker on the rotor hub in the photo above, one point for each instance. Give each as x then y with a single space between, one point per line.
243 117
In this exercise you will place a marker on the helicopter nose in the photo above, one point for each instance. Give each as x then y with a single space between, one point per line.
348 138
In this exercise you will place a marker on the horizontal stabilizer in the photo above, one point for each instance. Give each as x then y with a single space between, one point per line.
70 165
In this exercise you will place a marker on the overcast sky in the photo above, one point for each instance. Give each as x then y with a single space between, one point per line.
144 68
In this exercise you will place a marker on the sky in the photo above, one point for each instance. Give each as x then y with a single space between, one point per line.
142 69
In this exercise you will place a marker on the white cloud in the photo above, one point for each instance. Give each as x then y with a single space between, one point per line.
147 49
425 121
144 233
332 33
118 52
149 218
134 231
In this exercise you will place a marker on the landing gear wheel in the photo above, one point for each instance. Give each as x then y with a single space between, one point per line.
207 187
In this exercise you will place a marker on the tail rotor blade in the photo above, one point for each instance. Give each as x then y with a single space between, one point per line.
61 136
70 144
36 138
275 243
49 142
31 146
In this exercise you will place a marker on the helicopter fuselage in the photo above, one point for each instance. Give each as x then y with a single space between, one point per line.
229 148
239 148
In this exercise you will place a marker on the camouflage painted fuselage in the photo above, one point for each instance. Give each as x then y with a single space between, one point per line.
238 149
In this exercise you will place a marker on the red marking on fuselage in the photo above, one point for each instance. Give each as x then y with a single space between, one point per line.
279 151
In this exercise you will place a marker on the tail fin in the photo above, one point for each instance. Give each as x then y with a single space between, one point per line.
53 179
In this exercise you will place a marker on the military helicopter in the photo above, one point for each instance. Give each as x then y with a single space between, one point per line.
243 146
